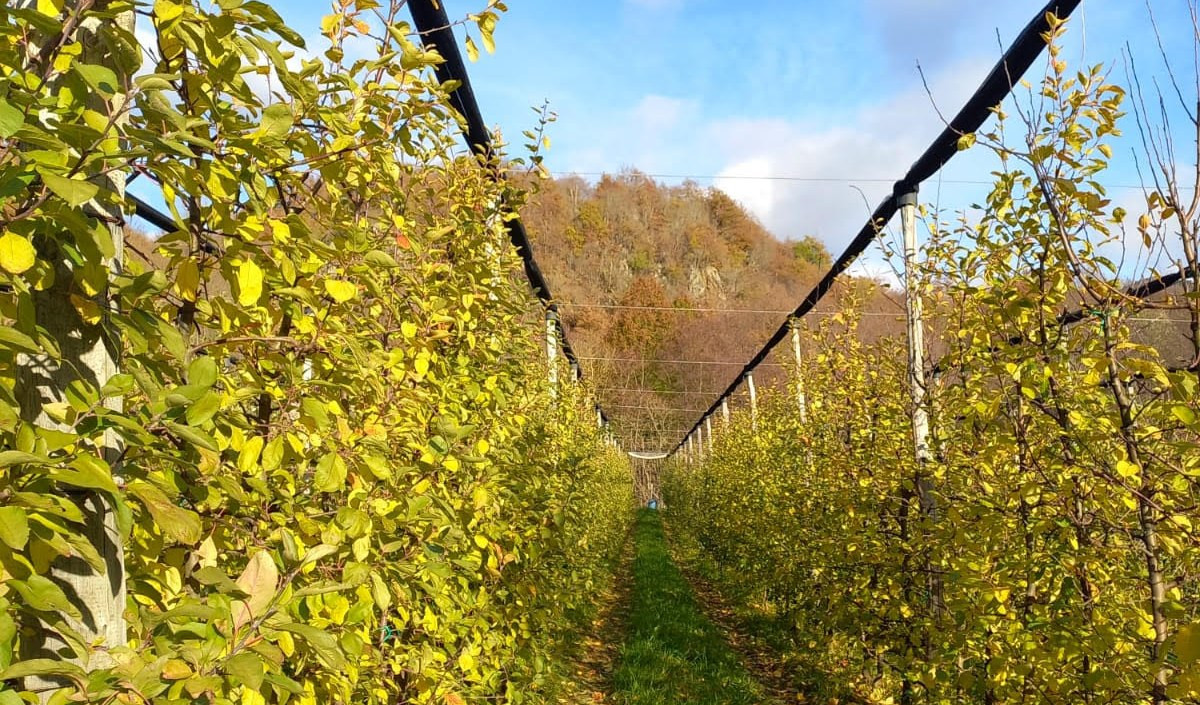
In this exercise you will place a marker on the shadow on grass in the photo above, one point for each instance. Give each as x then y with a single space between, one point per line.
673 654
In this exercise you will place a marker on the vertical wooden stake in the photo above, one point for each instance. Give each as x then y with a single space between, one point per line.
916 347
725 410
708 425
552 350
89 354
800 400
599 417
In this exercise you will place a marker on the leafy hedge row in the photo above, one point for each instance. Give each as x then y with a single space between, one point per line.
1057 559
335 464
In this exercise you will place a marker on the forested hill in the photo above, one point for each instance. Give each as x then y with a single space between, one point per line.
631 260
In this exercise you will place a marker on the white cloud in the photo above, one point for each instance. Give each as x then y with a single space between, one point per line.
656 113
834 175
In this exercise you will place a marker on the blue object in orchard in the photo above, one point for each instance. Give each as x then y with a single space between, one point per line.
653 504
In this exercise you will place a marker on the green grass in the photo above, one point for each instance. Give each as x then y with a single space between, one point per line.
673 655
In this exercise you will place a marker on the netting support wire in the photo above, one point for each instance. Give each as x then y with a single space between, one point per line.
1007 72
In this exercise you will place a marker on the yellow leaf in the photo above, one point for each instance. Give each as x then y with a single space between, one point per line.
1187 643
187 280
339 290
165 10
175 669
250 281
259 580
16 253
466 661
89 311
53 8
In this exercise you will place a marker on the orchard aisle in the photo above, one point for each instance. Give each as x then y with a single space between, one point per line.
673 653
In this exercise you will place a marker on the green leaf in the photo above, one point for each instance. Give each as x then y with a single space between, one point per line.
75 192
41 594
11 119
88 472
14 527
246 667
202 411
318 552
277 120
331 473
191 435
203 371
41 667
17 457
17 255
314 410
17 340
215 577
323 644
182 525
101 78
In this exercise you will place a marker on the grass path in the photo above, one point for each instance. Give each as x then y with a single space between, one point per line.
673 654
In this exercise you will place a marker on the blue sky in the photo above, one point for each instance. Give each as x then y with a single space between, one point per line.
792 88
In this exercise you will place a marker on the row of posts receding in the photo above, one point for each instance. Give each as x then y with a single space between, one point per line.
700 440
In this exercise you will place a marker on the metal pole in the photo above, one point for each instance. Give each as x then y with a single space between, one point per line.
753 399
916 346
800 400
552 350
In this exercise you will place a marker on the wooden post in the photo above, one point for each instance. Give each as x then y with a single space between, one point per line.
753 399
916 347
90 355
725 410
708 425
599 417
552 350
576 372
800 400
